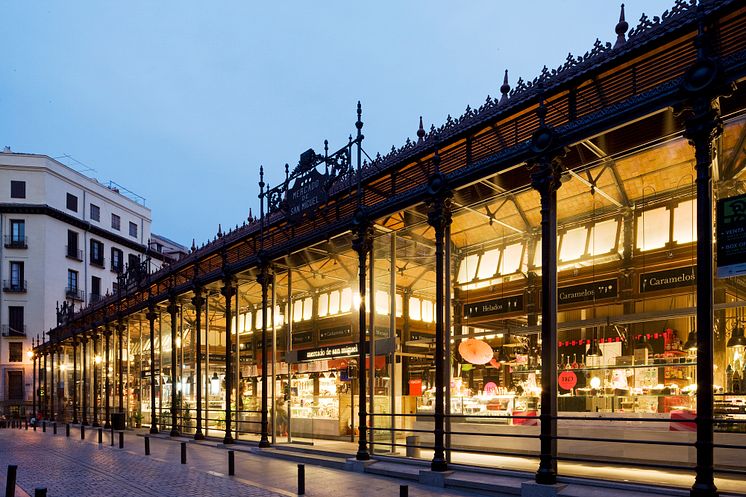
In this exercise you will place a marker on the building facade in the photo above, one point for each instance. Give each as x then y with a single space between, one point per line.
66 240
555 277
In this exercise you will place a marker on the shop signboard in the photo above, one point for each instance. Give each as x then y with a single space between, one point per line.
604 289
567 380
307 192
668 279
383 332
302 337
329 352
502 305
329 334
731 236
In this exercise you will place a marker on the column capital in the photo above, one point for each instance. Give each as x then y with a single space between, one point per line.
438 202
545 173
173 306
362 232
198 300
151 315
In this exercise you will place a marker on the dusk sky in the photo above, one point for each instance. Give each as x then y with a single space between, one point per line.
181 101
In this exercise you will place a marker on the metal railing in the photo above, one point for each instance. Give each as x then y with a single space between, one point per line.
74 293
74 253
8 331
15 286
101 262
15 242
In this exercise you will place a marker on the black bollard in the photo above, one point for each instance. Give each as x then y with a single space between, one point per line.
183 452
112 437
26 420
231 463
40 492
82 432
147 446
10 485
44 426
35 425
121 439
100 436
301 479
403 490
54 427
67 430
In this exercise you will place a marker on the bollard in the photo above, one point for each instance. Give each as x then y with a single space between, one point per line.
121 439
403 490
82 432
44 426
183 452
26 420
10 485
54 427
301 479
100 436
35 425
40 492
112 437
147 446
67 430
231 463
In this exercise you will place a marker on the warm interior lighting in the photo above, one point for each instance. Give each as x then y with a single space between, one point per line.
279 318
652 228
512 258
603 237
415 311
30 354
399 305
468 268
684 222
97 359
356 301
427 311
214 384
323 305
382 302
334 303
595 382
346 300
307 308
178 341
691 341
737 338
572 244
63 367
297 311
488 264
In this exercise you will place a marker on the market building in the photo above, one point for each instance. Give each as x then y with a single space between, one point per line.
535 282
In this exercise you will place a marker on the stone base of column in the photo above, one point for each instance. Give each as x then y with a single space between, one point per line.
533 489
199 436
356 465
434 478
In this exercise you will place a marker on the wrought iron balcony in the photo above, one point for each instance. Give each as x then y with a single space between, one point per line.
15 286
74 253
117 269
98 262
8 331
15 242
74 293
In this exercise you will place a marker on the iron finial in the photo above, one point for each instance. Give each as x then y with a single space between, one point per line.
420 132
251 217
359 123
261 176
220 231
194 247
621 29
504 89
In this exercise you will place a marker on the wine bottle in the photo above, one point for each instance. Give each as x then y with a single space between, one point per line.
574 362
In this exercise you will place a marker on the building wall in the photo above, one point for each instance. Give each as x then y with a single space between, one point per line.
46 263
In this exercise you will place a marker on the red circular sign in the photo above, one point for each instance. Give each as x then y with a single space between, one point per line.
567 380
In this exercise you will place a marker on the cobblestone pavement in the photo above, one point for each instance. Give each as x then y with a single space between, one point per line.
72 467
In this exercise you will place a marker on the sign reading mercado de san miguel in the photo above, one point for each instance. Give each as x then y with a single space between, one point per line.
731 236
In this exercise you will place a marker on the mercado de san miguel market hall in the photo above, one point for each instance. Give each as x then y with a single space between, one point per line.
553 282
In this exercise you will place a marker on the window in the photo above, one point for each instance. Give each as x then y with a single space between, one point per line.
95 288
15 385
115 222
116 260
72 202
115 287
133 261
17 189
72 245
15 320
17 234
133 229
95 212
653 228
97 253
15 351
16 283
72 280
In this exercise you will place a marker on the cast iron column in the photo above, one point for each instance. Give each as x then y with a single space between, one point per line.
52 414
95 381
228 290
46 386
84 381
362 243
439 217
151 316
75 381
34 373
702 86
120 376
545 178
264 278
173 309
197 301
107 380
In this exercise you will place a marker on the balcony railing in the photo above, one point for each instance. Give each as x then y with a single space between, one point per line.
98 262
74 293
94 297
12 286
8 331
117 268
74 253
15 242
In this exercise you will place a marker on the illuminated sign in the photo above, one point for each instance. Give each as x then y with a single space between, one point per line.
502 305
670 278
605 289
731 236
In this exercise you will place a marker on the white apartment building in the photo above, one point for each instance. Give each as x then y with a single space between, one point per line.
65 237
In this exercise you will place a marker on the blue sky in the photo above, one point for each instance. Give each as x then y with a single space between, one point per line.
181 101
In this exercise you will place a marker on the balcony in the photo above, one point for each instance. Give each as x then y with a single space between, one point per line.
15 242
74 253
116 268
7 331
74 293
14 286
98 262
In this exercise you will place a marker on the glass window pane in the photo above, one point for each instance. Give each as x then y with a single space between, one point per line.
382 302
488 264
334 303
512 256
279 318
603 237
399 305
259 321
297 311
427 311
652 228
323 305
468 268
573 244
414 309
685 222
346 300
307 308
